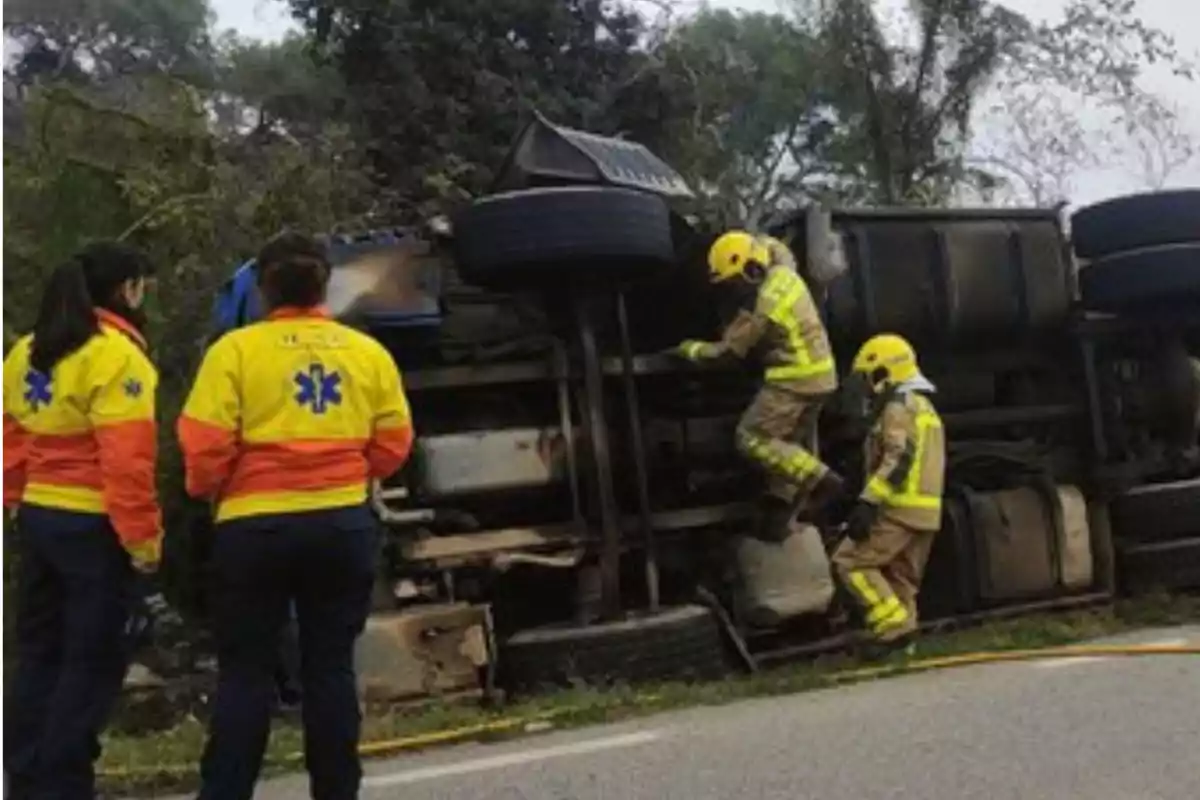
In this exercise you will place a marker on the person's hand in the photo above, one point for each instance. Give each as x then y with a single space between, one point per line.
860 520
145 556
688 350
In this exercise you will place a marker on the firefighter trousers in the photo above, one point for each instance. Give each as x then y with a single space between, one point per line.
883 574
74 592
778 432
323 562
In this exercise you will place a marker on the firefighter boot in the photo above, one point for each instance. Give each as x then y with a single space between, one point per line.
813 505
902 648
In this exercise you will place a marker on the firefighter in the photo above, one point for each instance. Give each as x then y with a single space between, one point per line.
890 530
778 319
288 421
79 471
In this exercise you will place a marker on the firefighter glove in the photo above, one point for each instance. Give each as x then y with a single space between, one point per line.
860 520
690 350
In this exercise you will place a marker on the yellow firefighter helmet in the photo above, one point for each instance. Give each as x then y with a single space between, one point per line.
886 360
733 251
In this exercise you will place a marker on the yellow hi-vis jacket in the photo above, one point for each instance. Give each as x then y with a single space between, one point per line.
83 438
786 325
906 462
294 413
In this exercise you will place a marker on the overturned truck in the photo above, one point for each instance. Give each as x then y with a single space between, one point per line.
575 509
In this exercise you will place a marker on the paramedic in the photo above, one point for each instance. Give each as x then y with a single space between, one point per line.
238 304
288 420
79 469
891 528
777 317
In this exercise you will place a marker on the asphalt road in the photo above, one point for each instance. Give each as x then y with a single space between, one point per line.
1100 729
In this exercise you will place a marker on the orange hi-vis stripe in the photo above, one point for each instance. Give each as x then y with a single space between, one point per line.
296 413
83 438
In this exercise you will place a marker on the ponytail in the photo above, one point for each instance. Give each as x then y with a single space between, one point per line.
66 319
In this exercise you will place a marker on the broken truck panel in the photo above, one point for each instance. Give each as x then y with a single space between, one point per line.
549 154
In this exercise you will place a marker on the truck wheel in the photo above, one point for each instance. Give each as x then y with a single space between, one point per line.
682 643
1136 221
1157 512
1150 278
1160 566
535 237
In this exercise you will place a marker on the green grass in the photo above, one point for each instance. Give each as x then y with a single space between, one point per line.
167 761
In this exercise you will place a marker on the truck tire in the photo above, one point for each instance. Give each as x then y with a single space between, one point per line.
1157 512
1137 221
535 237
1142 279
1161 566
681 643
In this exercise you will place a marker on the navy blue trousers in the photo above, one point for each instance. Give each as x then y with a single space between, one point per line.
323 562
74 589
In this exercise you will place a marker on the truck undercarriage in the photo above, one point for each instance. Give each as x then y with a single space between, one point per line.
575 508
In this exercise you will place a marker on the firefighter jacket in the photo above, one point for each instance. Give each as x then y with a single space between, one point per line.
906 461
786 328
294 413
83 438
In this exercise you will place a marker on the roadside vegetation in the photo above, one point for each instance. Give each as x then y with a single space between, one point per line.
167 760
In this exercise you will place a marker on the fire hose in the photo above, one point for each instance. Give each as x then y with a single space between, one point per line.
543 720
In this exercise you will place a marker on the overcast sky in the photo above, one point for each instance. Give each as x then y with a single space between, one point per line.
1181 18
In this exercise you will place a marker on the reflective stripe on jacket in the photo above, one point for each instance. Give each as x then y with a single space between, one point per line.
84 437
786 325
906 462
295 413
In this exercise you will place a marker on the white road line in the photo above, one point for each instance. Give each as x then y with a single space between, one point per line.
510 759
1056 663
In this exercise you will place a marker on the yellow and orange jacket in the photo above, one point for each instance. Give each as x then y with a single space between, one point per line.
84 437
294 413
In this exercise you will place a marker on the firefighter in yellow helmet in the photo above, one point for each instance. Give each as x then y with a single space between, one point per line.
890 530
780 321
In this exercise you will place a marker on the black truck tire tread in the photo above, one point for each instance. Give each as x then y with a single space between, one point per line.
1136 221
1163 566
1152 278
534 237
675 644
1157 513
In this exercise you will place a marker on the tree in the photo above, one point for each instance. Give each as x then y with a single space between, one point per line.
439 88
98 40
905 111
1070 97
1034 142
1159 140
276 87
730 99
